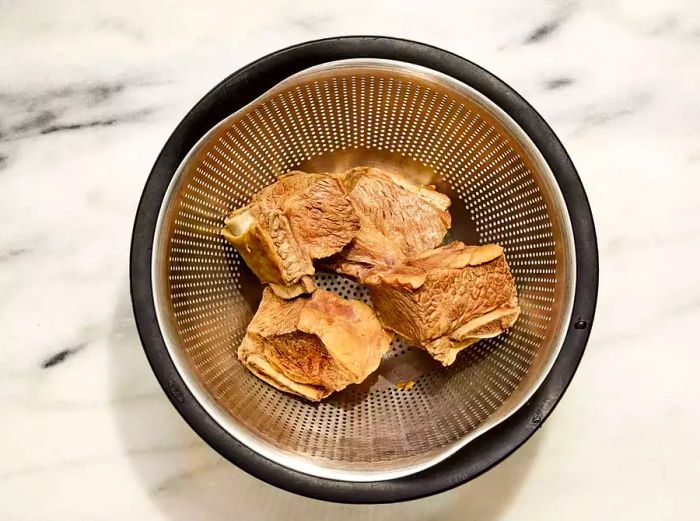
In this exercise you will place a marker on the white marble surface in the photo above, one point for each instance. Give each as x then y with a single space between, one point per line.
89 92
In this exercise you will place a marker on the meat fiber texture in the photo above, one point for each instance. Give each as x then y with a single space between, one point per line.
289 224
313 346
447 298
397 219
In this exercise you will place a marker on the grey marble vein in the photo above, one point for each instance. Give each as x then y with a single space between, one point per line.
61 356
558 82
70 107
13 253
544 30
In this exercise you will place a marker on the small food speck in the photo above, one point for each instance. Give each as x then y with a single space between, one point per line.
405 386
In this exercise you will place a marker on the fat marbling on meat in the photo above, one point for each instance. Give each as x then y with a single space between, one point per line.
397 219
313 346
289 224
447 298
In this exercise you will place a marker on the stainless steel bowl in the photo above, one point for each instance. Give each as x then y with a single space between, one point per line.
329 117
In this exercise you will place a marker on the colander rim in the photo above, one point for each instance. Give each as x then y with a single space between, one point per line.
247 84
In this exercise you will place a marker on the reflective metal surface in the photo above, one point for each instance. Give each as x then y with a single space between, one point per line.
399 117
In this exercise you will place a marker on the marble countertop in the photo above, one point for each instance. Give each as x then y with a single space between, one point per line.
89 92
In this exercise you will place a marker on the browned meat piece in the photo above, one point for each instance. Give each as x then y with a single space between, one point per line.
313 346
398 219
287 225
446 299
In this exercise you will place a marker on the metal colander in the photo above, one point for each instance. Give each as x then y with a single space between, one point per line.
330 117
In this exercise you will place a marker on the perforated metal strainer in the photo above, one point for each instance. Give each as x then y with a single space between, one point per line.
328 106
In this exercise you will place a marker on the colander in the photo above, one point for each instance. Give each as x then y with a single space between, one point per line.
327 106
